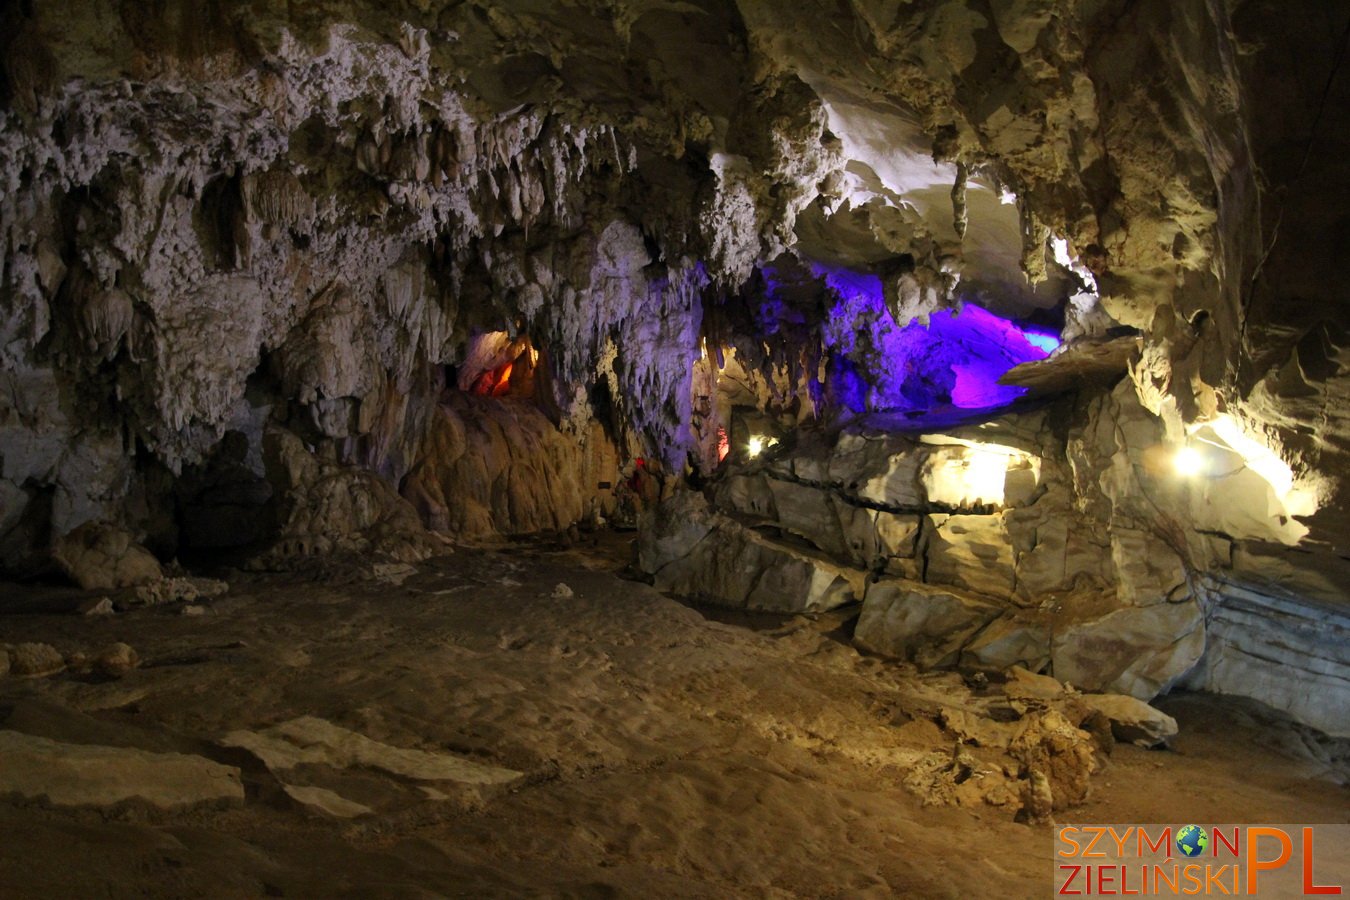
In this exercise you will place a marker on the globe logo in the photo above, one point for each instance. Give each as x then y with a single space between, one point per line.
1192 840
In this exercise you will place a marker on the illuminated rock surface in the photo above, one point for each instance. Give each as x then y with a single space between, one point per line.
84 775
987 334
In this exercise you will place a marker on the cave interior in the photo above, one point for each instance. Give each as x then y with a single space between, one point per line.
692 447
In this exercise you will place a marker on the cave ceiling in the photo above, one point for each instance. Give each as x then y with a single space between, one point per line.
332 197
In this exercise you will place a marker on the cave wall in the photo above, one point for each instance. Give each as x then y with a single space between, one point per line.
237 219
1059 539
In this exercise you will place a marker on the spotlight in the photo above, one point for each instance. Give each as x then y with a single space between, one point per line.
755 446
1189 462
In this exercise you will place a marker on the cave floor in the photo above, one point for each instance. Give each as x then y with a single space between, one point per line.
663 752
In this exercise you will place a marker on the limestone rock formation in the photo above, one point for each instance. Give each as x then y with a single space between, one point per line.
331 508
992 546
498 467
101 557
918 623
1133 720
695 552
310 740
34 660
1049 745
61 774
116 660
283 281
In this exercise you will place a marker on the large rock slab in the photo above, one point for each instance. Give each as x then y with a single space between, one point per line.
830 521
36 768
920 623
1291 653
1013 639
738 567
312 740
970 552
696 553
671 531
1132 719
1139 651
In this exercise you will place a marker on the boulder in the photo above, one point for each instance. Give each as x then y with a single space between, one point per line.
116 661
920 623
98 606
1013 639
35 661
671 531
971 552
1023 684
102 557
1133 720
738 567
694 552
1139 651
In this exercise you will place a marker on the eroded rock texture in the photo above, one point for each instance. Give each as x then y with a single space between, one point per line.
1043 540
282 280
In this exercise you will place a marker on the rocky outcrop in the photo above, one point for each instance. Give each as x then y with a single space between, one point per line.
1051 740
331 508
695 552
1053 547
62 774
920 623
101 557
1138 650
1287 648
34 660
309 743
500 467
219 220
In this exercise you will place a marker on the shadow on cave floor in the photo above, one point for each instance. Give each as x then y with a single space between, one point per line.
467 727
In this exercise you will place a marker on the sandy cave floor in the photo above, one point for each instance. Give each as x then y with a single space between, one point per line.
667 753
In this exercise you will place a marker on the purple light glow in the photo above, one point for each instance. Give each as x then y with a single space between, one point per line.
956 360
